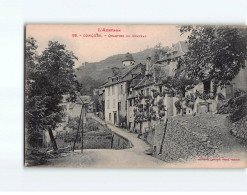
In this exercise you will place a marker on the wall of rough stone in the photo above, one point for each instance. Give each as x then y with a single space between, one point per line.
201 136
239 129
191 137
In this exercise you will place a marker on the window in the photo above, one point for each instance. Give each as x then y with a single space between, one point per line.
114 102
160 89
130 102
108 104
119 105
110 116
130 91
113 90
121 89
142 92
109 91
147 91
206 85
141 107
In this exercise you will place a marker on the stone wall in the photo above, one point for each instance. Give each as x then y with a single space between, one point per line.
239 129
191 137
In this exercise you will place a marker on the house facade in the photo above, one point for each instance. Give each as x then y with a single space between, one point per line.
116 90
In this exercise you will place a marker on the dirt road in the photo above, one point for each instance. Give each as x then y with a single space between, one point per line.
134 157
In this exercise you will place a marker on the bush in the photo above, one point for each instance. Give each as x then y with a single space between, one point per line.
238 108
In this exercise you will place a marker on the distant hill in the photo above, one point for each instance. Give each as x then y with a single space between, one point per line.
100 71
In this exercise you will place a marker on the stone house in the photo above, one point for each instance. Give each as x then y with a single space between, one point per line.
211 97
130 90
116 90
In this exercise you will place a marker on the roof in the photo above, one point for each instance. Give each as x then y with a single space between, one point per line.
125 74
146 81
128 57
134 82
177 50
85 99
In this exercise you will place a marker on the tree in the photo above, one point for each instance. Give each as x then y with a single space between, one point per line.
214 52
34 104
88 84
177 85
53 77
30 57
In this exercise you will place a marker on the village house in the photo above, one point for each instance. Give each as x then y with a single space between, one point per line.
116 90
137 98
203 96
149 101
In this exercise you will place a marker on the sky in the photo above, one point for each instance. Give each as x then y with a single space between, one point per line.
94 49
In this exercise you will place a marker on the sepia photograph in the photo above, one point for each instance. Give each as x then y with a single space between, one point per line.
135 96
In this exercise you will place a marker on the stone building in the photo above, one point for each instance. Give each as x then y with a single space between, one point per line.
137 98
116 90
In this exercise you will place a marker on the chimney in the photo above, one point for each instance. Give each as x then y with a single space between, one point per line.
148 65
115 71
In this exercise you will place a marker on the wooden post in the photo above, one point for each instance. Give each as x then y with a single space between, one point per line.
77 133
112 136
82 135
163 138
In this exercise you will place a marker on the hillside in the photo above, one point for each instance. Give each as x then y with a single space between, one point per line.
99 71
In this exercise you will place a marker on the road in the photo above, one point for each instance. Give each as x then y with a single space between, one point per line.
134 157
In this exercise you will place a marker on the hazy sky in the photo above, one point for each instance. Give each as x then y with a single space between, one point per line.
93 49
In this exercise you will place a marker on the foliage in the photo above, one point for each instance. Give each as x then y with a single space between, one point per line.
190 101
122 120
99 104
146 112
87 85
46 84
236 107
176 85
30 56
239 92
178 106
214 52
73 123
221 96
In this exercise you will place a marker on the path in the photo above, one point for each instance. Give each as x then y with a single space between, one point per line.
134 157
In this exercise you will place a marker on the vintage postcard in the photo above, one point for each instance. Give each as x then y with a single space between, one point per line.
135 96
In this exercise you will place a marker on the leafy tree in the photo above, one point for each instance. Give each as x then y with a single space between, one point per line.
214 52
177 85
88 84
52 78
